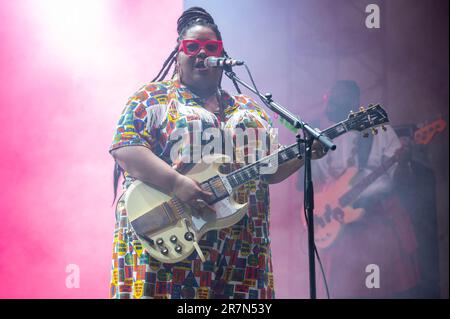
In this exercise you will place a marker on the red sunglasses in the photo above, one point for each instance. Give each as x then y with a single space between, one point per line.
193 47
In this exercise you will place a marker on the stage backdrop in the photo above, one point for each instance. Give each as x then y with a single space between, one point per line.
67 70
68 67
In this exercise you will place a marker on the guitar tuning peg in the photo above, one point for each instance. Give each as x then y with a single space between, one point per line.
351 114
374 131
383 128
365 135
362 108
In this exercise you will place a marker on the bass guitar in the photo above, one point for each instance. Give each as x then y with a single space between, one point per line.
333 208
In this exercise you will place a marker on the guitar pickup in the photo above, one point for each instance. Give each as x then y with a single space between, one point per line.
217 186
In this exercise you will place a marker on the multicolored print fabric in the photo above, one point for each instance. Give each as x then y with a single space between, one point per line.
238 259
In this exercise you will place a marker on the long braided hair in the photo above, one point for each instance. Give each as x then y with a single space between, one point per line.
191 17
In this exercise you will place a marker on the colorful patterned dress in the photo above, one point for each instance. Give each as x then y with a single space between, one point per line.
238 259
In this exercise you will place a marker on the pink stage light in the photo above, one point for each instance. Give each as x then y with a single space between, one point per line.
68 68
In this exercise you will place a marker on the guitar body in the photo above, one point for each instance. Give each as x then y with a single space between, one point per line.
155 217
330 215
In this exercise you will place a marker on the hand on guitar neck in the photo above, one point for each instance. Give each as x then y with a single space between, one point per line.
287 169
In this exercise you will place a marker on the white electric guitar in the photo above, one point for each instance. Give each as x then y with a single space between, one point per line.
170 230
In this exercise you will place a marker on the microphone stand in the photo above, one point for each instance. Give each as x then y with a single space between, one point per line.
310 135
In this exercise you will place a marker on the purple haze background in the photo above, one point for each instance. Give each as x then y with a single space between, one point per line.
68 67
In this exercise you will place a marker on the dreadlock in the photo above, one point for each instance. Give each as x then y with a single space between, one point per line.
191 17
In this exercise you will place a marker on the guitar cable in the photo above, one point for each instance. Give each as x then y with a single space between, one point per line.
319 260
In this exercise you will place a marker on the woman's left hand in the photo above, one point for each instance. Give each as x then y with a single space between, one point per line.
318 151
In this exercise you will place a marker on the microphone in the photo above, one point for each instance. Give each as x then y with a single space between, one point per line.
215 62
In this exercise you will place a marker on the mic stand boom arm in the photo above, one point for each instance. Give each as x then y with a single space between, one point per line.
309 134
285 114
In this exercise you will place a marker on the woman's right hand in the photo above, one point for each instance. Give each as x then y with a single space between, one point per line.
190 192
142 164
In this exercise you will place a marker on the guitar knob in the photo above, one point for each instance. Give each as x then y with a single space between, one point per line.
365 135
164 251
178 249
159 241
374 131
383 128
189 236
173 239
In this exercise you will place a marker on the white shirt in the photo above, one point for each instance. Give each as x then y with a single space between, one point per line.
335 163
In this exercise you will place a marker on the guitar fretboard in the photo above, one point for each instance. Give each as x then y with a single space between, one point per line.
255 170
359 121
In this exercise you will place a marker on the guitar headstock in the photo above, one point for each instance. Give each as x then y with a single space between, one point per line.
425 134
370 118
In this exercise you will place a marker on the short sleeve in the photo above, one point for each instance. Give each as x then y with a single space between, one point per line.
384 145
251 121
250 114
131 129
142 117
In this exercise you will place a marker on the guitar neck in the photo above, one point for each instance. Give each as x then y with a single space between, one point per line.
359 187
253 171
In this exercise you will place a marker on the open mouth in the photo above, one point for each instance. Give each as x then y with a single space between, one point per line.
200 65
